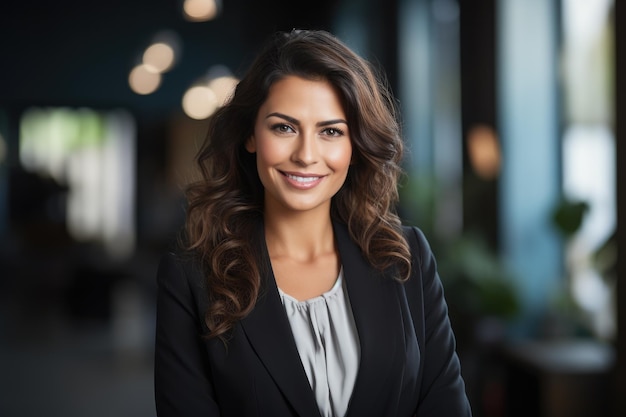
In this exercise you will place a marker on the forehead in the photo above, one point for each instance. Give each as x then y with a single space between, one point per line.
296 94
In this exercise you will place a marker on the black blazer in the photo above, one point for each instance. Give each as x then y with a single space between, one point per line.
408 365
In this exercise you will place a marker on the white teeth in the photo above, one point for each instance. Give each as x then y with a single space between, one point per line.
302 179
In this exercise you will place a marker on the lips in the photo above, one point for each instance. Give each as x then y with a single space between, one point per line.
302 180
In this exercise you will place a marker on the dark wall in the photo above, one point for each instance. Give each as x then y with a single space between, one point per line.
478 107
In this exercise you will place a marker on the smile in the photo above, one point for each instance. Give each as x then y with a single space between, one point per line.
303 180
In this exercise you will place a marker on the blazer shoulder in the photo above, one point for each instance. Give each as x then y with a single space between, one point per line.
179 258
181 268
418 244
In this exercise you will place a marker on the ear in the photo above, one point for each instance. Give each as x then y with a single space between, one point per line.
251 144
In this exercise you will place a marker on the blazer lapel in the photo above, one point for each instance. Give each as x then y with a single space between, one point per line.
269 332
378 319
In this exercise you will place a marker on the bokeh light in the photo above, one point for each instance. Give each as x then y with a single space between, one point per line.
199 102
484 151
200 10
210 92
143 80
223 87
159 57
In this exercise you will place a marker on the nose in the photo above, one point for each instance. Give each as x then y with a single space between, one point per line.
305 150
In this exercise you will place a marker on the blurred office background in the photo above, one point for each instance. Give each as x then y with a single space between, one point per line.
513 113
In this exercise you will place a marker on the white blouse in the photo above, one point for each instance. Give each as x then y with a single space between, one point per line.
328 344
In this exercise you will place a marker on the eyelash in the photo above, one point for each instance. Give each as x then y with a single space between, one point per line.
338 132
281 128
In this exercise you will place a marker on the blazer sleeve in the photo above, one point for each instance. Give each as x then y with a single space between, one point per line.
442 391
181 369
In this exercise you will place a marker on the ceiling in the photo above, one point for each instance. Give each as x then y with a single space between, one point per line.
79 53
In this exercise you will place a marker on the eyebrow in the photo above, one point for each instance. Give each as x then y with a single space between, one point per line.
297 122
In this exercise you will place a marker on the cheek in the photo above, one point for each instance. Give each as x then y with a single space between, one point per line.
340 157
268 153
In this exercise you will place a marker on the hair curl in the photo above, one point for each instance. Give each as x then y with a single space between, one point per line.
225 204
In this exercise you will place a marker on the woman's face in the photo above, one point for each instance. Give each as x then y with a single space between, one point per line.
302 145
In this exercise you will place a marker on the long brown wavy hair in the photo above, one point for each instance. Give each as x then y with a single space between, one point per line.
225 205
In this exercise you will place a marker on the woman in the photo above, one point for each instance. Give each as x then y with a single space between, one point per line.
298 292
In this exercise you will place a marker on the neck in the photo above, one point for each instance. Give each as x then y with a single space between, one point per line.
299 236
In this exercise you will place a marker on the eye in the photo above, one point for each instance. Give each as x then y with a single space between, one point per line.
282 128
333 131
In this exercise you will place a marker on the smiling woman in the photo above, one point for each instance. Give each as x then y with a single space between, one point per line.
296 290
302 146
